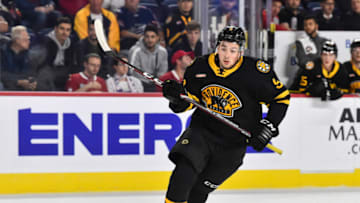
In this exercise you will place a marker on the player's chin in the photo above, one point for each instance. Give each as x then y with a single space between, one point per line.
227 65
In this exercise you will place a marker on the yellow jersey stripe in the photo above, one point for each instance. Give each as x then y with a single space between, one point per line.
175 37
282 95
191 106
287 101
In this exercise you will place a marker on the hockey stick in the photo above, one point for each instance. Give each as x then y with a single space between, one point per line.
99 30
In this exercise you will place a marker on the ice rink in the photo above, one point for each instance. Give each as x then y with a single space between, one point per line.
307 195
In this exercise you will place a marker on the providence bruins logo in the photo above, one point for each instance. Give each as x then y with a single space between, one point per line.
220 100
262 66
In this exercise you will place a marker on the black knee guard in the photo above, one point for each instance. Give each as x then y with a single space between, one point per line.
181 181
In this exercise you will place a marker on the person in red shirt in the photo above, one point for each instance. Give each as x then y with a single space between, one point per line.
87 81
180 60
275 10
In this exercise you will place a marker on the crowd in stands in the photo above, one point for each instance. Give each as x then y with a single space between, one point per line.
51 45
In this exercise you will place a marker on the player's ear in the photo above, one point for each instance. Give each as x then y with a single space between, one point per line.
241 53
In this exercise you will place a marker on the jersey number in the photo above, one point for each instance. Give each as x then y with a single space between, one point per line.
277 83
303 81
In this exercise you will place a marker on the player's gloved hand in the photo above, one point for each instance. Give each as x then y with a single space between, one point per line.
172 90
318 88
335 94
263 137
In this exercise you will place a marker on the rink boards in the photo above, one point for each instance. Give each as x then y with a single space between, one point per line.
60 142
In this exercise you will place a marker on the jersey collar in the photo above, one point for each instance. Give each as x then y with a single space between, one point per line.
332 72
355 69
220 72
82 74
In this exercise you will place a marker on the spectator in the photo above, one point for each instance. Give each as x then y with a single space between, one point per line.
60 53
16 73
87 81
180 60
351 19
94 11
70 7
121 81
292 16
176 23
343 6
275 10
353 67
133 19
325 77
38 14
326 17
159 8
10 12
227 9
4 28
191 41
150 56
309 46
91 45
113 5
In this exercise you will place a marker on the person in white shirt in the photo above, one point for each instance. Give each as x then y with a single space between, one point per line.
121 81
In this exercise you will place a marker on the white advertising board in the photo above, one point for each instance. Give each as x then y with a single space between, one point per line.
130 137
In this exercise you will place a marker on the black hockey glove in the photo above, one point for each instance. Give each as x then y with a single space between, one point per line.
172 90
335 94
318 88
261 139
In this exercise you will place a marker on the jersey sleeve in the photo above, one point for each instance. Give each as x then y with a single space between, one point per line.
342 81
302 81
272 92
190 90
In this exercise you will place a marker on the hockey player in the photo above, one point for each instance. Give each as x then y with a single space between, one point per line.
232 85
324 77
353 67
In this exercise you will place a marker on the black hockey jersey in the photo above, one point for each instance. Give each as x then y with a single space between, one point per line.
337 77
236 94
353 76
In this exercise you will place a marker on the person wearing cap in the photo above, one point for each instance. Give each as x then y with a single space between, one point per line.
353 67
324 77
180 60
150 56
